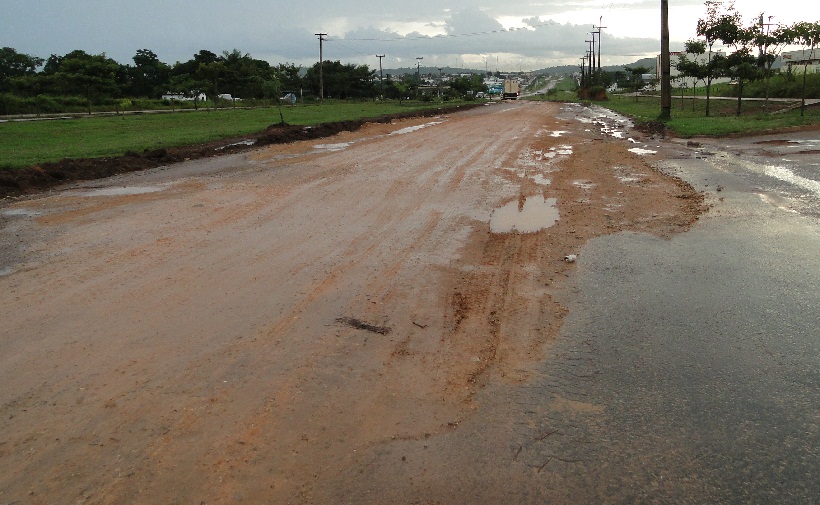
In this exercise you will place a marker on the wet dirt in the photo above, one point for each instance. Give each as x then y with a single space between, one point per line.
47 175
262 333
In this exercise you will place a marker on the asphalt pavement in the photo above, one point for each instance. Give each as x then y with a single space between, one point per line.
702 353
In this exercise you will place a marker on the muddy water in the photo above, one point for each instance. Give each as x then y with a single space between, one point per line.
534 214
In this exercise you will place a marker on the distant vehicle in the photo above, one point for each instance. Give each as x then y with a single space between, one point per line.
511 89
480 94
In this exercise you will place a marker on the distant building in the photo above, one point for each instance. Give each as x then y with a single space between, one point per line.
677 79
181 97
794 61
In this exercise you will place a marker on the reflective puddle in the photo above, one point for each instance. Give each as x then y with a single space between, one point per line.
333 147
535 213
123 191
21 213
411 129
642 152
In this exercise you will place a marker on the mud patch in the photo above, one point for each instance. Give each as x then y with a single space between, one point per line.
361 325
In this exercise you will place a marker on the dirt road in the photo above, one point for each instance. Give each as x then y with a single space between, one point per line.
264 327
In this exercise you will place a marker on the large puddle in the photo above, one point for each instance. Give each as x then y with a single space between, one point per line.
536 213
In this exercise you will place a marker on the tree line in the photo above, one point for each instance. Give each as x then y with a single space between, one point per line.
28 81
752 49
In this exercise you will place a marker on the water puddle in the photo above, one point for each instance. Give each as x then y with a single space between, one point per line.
6 271
21 213
786 175
541 180
557 133
333 147
585 185
534 214
411 129
642 152
123 191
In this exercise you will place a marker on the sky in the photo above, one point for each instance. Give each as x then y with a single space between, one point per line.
472 34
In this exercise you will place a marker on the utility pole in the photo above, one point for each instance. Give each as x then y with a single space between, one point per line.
321 64
593 32
666 72
418 75
440 96
381 75
583 70
590 56
599 43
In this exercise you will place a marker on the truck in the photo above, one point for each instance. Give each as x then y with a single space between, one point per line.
511 89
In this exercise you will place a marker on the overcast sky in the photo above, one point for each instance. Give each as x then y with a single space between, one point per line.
491 34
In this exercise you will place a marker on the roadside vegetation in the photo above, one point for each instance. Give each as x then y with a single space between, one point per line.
689 119
26 143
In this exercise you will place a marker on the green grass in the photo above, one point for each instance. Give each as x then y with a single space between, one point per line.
687 122
34 142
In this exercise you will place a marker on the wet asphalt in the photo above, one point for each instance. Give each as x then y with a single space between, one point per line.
701 352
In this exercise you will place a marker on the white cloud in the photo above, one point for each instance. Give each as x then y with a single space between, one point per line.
448 32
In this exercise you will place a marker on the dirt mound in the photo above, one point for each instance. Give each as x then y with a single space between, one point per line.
15 182
652 128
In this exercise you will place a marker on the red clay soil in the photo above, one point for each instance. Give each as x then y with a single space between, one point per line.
15 182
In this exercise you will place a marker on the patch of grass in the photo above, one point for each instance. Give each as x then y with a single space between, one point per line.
689 116
28 143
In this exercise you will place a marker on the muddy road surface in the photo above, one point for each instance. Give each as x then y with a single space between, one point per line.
319 322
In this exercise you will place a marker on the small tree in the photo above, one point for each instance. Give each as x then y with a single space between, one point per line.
807 35
718 20
697 70
770 43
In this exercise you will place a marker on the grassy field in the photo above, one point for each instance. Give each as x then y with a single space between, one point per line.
689 116
32 142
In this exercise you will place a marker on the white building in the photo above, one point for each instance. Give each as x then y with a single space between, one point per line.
794 61
181 97
677 79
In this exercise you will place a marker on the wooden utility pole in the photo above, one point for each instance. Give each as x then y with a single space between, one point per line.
321 64
665 70
599 43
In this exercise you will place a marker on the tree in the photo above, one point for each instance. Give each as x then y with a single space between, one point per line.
288 75
770 43
14 65
342 81
718 20
697 70
807 35
87 75
740 65
149 76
